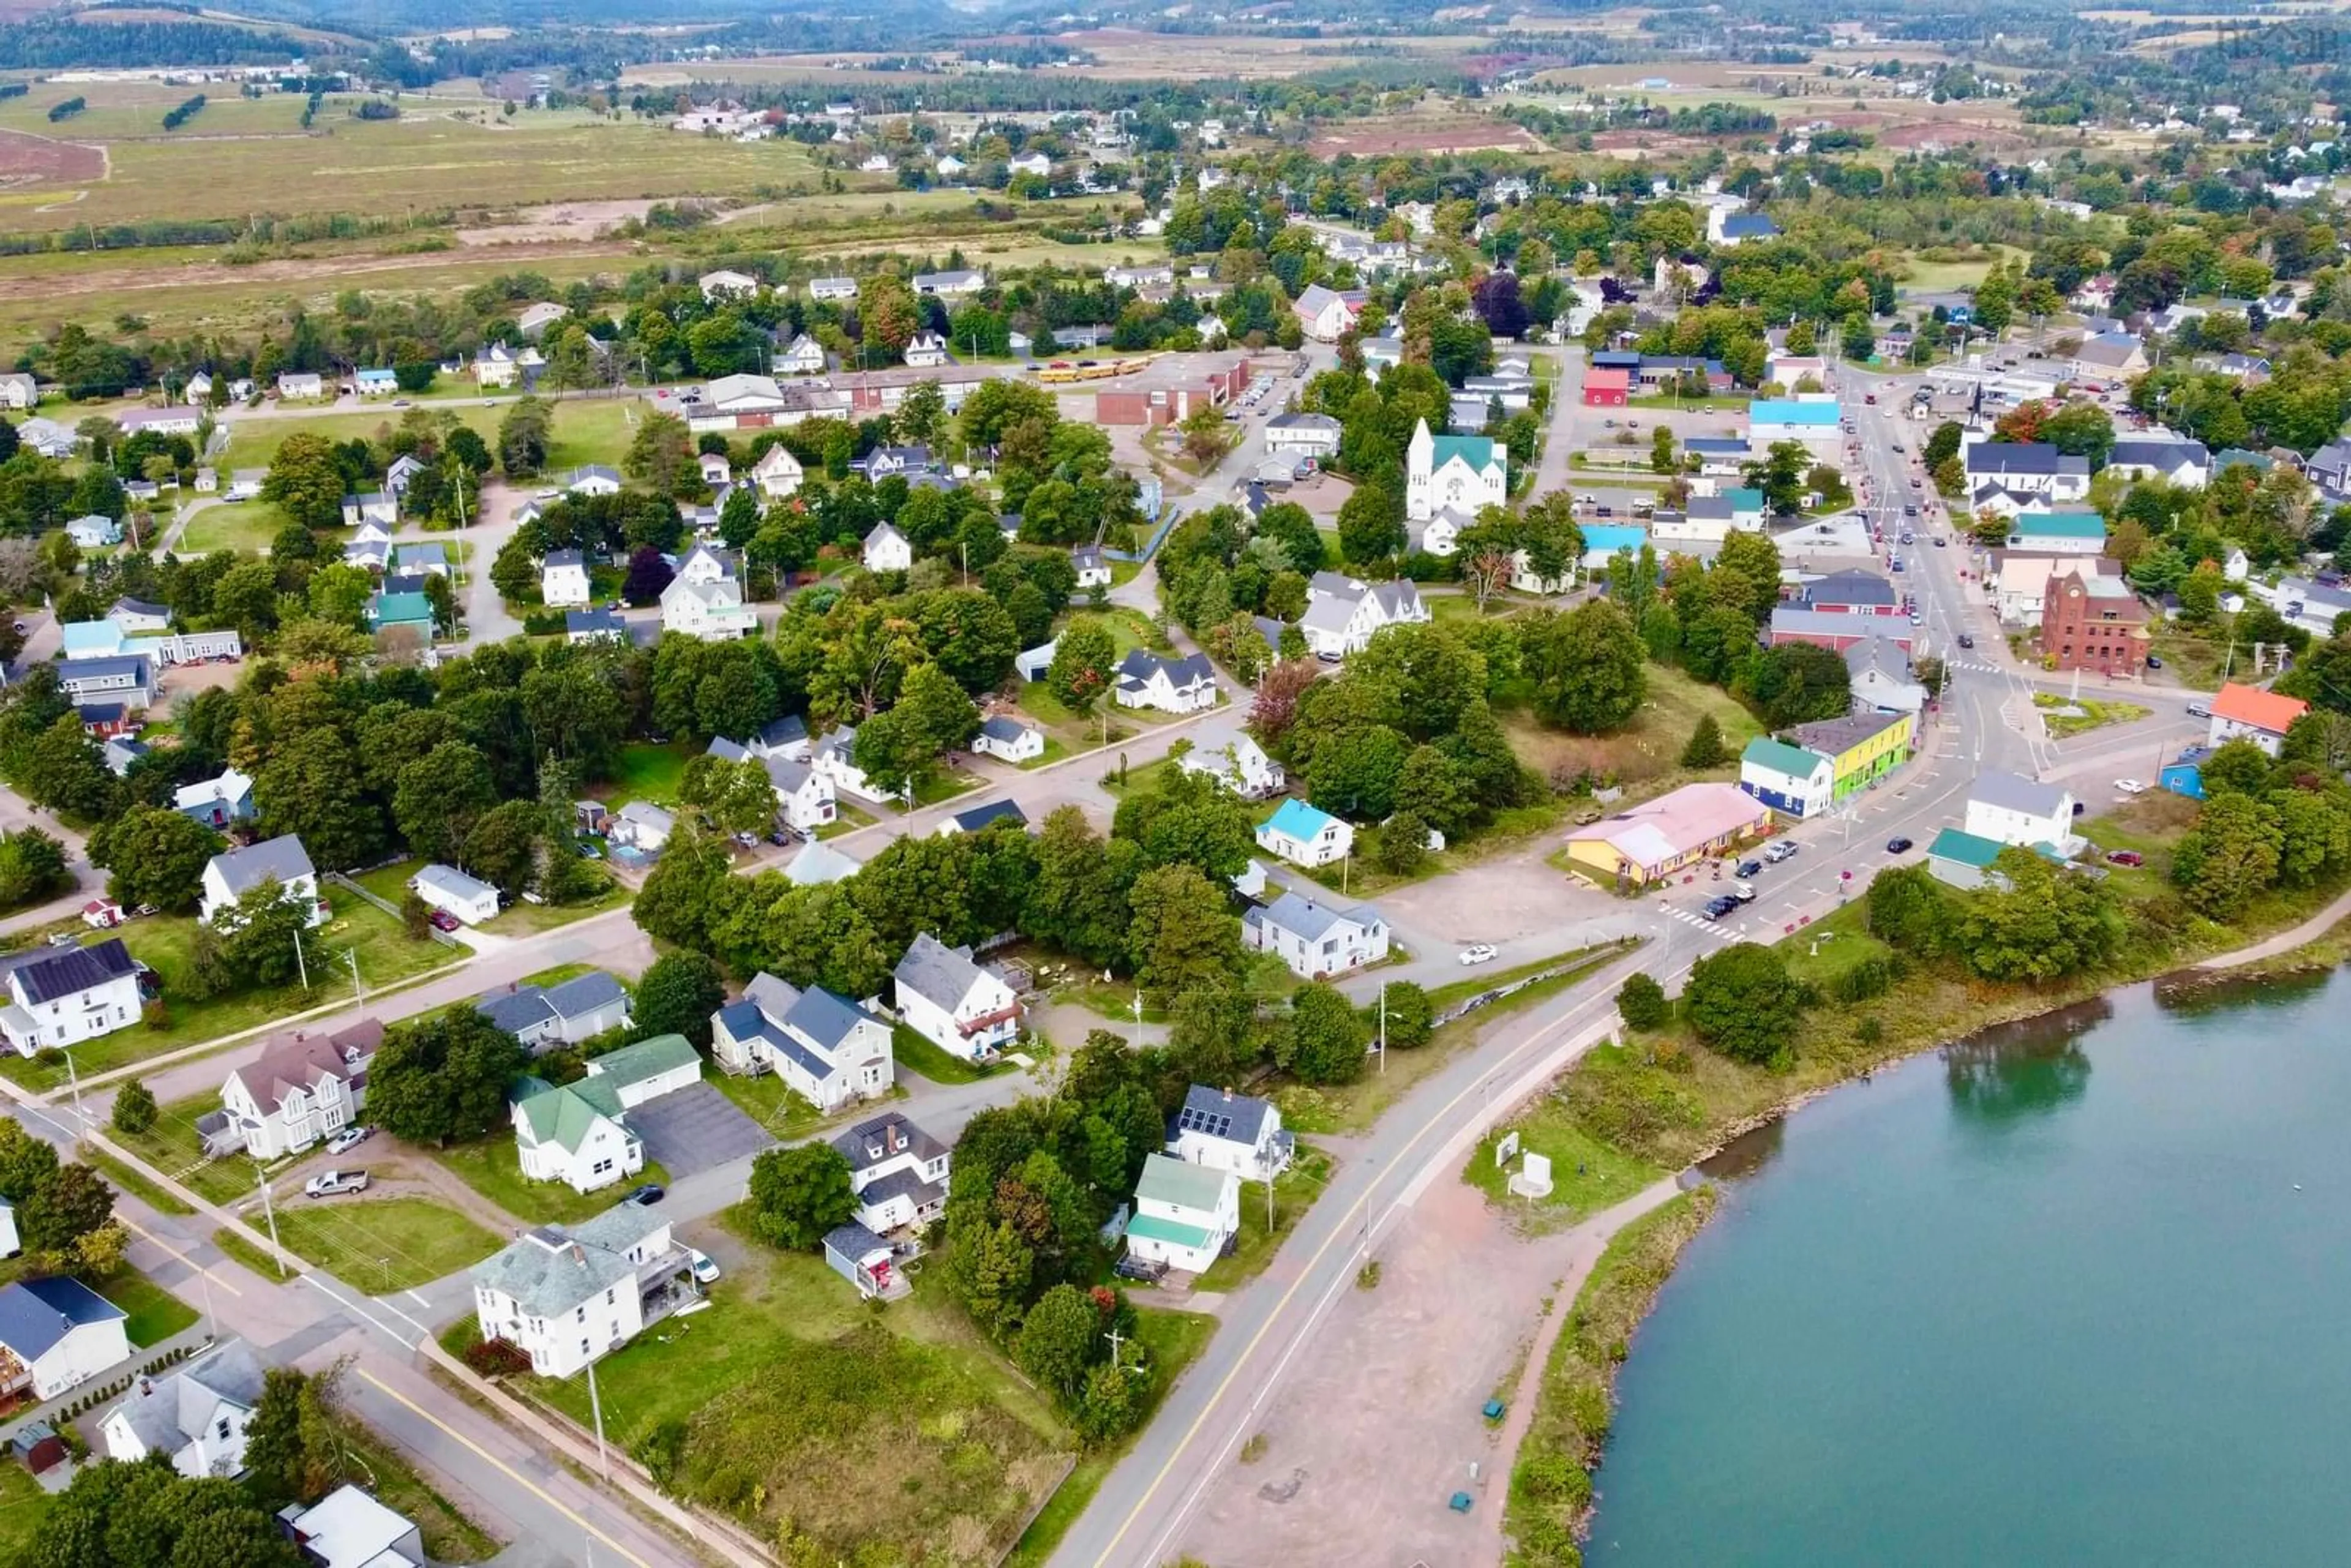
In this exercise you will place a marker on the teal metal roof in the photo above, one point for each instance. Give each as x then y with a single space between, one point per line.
2061 525
1782 757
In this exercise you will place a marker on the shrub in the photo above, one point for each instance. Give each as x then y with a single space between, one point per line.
134 1108
1870 978
1641 1002
497 1358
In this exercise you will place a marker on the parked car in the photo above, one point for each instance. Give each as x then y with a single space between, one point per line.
1747 869
1897 846
1478 953
442 920
1782 850
2131 786
326 1183
2125 857
1743 891
652 1192
706 1269
2153 663
348 1138
1143 1269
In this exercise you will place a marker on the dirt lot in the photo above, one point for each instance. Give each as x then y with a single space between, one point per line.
1463 136
567 220
29 160
1508 899
1457 1300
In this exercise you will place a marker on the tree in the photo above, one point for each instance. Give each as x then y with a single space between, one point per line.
677 995
1111 1405
311 786
888 315
1661 451
1798 683
27 1164
1740 1001
1909 912
32 867
1181 934
799 1194
1084 656
2229 856
739 797
306 481
661 454
1326 1035
2038 921
62 770
649 577
1586 666
1205 434
524 435
1745 575
72 1204
1706 749
1058 1340
1780 475
1371 524
1411 1015
440 796
1641 1003
442 1078
155 855
134 1108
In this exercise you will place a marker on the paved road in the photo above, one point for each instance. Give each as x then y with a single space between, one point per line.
1551 472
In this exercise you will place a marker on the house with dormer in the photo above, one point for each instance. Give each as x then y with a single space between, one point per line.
947 998
1343 613
824 1047
897 1171
1146 680
301 1089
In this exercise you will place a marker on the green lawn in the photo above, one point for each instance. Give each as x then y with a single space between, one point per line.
389 883
650 772
249 526
586 431
123 1179
382 1244
22 1506
493 1167
154 1314
521 918
879 1432
944 786
247 1251
766 1100
449 1535
919 1055
1294 1192
1587 1176
173 1146
555 973
2094 713
165 944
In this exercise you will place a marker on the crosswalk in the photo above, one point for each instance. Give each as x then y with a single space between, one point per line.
1976 666
1692 917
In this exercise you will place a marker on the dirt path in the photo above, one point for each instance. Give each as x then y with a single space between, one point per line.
2310 930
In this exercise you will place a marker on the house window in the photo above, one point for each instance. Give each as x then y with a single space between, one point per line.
224 1428
581 1315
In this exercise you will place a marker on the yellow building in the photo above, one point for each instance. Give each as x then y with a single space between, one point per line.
1865 747
1658 838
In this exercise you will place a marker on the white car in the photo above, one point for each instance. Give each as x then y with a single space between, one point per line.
1481 954
705 1268
326 1183
2131 786
348 1138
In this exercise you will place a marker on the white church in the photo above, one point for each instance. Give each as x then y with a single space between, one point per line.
1448 479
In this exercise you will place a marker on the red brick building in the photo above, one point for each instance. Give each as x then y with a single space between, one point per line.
1604 386
2092 623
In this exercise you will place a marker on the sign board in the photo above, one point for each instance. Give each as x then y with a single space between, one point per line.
1506 1150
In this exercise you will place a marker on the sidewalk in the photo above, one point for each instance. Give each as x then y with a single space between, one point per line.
2310 930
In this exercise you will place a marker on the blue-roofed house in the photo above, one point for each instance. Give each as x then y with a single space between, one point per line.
544 1017
1738 228
60 1334
376 382
825 1049
1774 419
1302 835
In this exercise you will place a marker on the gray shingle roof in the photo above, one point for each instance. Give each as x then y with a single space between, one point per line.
1221 1114
939 974
868 1144
548 1272
283 857
2012 793
1307 920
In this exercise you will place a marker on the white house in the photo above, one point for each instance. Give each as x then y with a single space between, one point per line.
886 549
2011 809
349 1529
825 1049
1315 939
1880 671
57 1334
370 506
576 1134
94 532
804 796
1325 313
1788 778
593 479
544 1017
953 1003
1343 613
1091 566
727 285
705 599
452 892
496 366
832 289
299 1091
926 352
1313 435
836 756
194 1415
563 582
1239 1133
1301 835
898 1172
1233 759
19 390
233 874
778 474
1458 474
299 384
58 996
2028 468
1008 739
1172 686
2241 712
565 1295
641 825
1183 1214
805 356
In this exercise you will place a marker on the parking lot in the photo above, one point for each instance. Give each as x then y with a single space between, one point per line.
696 1129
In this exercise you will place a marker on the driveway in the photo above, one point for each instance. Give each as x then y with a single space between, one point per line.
696 1129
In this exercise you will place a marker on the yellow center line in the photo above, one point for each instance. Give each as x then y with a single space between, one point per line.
147 1235
1338 1234
507 1470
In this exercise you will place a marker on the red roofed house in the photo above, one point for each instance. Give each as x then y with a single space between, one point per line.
1604 386
2249 713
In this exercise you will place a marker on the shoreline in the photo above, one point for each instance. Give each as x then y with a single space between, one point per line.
2319 941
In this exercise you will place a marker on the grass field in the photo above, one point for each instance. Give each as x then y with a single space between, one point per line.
382 1244
493 1167
1645 757
919 1055
22 1506
882 1435
587 429
165 944
250 526
153 1314
1294 1192
1587 1176
173 1146
767 1102
649 772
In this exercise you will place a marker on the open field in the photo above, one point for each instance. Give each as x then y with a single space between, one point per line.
382 1244
249 526
1644 758
587 429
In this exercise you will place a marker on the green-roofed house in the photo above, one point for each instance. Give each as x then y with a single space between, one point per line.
1455 474
648 1069
1964 860
575 1134
1789 779
392 612
1185 1216
2058 533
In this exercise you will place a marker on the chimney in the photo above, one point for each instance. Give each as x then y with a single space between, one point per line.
1229 1093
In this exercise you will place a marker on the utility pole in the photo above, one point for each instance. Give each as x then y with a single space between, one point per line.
300 963
603 1459
1116 1339
269 1210
74 1078
1384 1041
1136 1042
